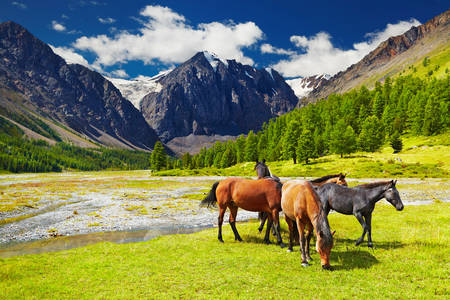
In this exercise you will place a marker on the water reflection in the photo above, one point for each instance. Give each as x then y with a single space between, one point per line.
75 241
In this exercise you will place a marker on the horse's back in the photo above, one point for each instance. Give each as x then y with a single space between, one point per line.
252 195
293 199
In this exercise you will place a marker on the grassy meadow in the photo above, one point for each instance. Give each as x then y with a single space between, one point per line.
423 157
410 260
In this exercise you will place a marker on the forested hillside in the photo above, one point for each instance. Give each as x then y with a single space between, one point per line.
18 154
342 124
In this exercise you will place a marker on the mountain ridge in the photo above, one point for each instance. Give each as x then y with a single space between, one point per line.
69 94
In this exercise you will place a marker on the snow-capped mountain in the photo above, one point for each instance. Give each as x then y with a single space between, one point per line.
135 89
208 95
302 86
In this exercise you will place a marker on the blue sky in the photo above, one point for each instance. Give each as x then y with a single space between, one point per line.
297 38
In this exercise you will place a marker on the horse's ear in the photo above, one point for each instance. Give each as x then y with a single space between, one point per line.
264 160
333 233
394 182
341 176
256 161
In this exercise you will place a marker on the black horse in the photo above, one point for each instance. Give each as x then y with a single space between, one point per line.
262 170
359 201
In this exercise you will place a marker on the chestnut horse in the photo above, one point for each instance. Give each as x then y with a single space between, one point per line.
337 179
301 203
253 195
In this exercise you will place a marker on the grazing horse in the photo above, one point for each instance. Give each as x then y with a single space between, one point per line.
337 179
253 195
359 201
302 205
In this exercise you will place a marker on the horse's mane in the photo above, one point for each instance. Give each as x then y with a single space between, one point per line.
324 178
374 184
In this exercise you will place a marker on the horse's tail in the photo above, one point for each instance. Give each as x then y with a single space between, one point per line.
211 199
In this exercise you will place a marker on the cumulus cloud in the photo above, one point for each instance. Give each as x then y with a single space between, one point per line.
166 36
120 73
58 26
268 48
317 54
106 20
70 56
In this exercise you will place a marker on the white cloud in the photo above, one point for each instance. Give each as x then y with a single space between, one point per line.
317 55
58 26
19 4
267 48
165 36
120 73
70 56
106 20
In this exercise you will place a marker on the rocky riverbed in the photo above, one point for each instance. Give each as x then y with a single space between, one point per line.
45 206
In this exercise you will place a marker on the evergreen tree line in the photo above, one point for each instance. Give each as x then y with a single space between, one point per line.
22 155
356 120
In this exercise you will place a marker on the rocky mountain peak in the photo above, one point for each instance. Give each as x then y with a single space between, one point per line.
209 95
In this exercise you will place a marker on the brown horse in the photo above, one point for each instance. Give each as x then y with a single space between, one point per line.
301 204
253 195
337 179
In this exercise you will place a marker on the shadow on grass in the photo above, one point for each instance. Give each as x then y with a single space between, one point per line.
353 259
349 243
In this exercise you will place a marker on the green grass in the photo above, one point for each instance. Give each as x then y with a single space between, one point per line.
422 157
410 260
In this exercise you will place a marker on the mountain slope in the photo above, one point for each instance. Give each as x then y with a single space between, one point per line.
207 95
391 57
45 86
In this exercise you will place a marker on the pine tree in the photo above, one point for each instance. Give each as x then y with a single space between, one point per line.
158 156
372 135
289 141
432 118
378 105
396 142
305 148
186 161
251 143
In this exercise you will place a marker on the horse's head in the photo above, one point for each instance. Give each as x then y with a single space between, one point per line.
341 180
324 242
261 169
392 195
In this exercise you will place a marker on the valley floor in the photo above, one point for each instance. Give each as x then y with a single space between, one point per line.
410 261
134 203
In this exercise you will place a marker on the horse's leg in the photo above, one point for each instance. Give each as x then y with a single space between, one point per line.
308 240
291 233
262 217
276 224
301 232
220 221
369 230
360 218
269 225
233 213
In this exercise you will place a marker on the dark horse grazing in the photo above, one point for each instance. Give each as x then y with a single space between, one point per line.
337 179
253 195
359 201
302 205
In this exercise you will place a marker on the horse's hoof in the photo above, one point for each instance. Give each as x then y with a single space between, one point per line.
305 264
327 267
220 240
358 242
309 259
370 245
267 242
240 240
289 250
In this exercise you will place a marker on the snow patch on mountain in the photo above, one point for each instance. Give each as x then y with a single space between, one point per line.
302 86
135 89
214 60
